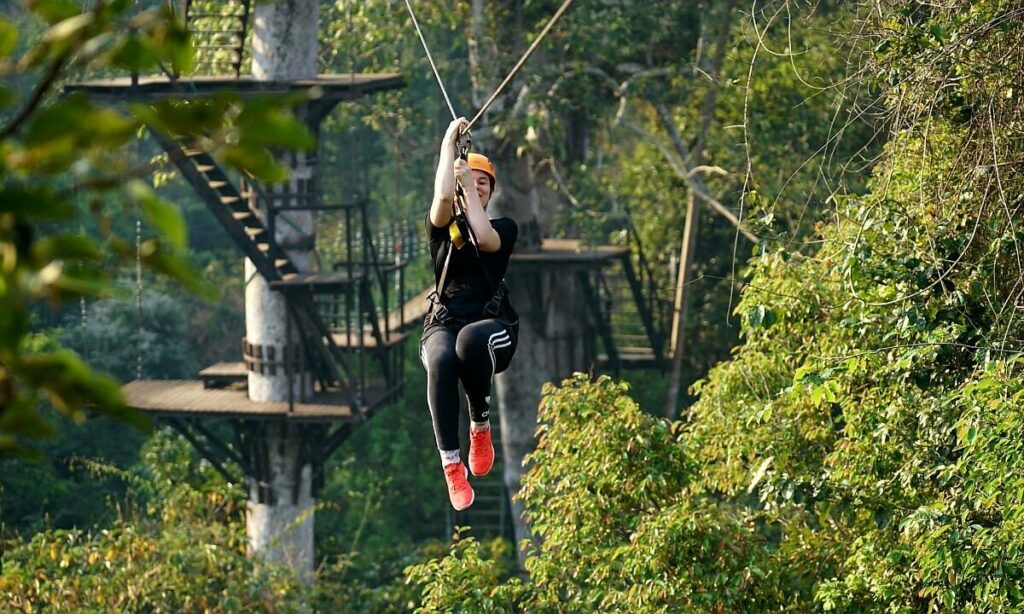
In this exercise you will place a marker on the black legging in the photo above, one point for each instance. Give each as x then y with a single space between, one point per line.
473 354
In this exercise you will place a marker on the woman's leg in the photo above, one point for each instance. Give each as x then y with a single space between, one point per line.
482 349
437 352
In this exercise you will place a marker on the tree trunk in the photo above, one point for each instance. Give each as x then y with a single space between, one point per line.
682 300
689 242
279 523
554 341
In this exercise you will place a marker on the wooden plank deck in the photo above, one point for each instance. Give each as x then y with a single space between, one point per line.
414 310
334 87
318 282
224 373
556 252
177 397
369 342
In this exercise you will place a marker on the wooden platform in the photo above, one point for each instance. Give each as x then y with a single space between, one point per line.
221 374
560 252
318 282
332 88
191 397
369 342
412 312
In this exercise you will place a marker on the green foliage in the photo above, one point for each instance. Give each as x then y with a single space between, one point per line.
113 337
860 451
59 152
468 579
620 524
181 548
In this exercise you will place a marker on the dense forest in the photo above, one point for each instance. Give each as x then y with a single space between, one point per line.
846 431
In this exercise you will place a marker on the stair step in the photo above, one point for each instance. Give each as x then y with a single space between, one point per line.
217 184
263 247
205 168
208 31
215 16
243 215
254 231
229 200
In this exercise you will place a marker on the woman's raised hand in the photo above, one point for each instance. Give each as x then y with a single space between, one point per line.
456 128
463 174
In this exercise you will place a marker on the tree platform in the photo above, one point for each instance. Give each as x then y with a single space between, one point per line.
332 88
192 397
567 253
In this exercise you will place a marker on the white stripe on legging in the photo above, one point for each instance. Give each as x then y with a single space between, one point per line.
497 340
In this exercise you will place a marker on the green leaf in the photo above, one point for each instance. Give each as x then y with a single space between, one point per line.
160 214
38 203
190 118
71 386
256 161
8 38
62 35
78 119
761 317
65 247
54 11
263 126
176 267
760 473
133 54
7 96
23 418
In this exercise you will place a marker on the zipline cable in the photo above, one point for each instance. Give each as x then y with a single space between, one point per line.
437 75
511 75
515 69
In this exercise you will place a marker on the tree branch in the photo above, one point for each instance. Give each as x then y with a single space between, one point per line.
707 111
693 182
37 96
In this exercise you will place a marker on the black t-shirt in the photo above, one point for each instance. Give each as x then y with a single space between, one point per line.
466 291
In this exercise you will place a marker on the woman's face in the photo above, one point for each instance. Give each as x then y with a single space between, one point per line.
482 182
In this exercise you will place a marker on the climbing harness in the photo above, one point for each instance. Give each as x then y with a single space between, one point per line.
459 230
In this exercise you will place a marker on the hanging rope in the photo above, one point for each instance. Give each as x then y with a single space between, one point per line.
511 75
138 296
515 69
430 58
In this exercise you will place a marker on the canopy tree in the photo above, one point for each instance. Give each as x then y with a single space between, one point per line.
64 160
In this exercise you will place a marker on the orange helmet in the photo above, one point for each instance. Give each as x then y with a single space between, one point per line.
479 162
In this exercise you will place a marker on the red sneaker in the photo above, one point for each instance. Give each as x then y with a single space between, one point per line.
481 452
460 493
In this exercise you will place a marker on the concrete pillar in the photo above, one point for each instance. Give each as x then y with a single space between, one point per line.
281 530
280 527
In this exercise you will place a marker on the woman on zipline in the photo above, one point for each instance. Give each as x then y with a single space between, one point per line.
471 331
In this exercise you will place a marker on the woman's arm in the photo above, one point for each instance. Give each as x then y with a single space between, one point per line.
444 179
487 238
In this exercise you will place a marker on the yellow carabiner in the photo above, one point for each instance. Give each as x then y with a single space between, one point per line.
455 233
